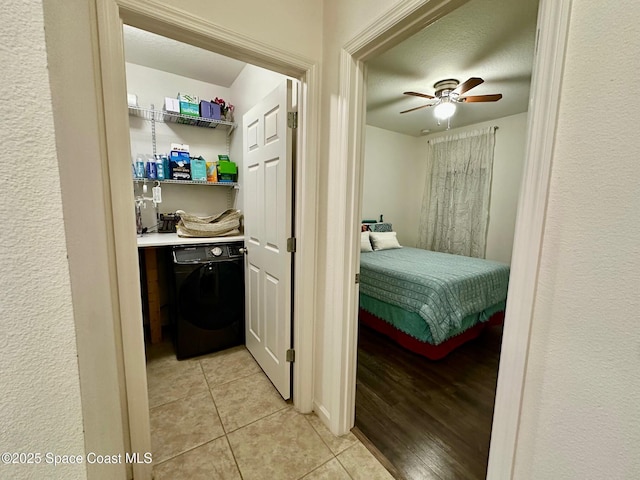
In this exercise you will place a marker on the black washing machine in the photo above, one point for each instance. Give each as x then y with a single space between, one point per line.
208 300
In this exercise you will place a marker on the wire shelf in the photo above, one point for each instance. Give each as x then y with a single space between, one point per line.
166 117
188 182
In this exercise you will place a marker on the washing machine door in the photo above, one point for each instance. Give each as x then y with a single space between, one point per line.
212 295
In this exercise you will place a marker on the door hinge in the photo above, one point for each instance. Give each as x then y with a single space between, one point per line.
292 119
357 278
291 355
291 244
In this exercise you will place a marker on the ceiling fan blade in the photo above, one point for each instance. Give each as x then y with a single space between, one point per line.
481 98
418 108
468 85
416 94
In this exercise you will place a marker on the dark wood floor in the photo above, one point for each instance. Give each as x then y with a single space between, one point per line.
430 419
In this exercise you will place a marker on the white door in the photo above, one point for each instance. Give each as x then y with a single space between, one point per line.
267 160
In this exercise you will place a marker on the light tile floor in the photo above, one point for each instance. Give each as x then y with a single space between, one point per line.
218 417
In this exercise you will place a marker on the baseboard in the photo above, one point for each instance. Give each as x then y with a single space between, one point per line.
322 412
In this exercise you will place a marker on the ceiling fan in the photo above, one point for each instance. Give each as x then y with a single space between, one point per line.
448 93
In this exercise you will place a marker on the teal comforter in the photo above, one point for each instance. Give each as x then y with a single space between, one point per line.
441 288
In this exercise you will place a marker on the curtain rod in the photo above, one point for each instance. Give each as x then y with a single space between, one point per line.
494 127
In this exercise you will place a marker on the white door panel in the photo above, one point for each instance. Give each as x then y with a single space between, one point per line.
253 302
268 212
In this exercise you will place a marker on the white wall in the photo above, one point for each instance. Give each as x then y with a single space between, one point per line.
395 169
508 164
580 413
152 86
40 403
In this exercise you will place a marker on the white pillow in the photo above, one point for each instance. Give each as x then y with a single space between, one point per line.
365 243
384 240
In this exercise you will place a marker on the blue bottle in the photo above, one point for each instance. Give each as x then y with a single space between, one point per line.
140 170
166 166
159 168
151 168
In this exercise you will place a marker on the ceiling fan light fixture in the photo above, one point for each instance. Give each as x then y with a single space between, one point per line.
445 109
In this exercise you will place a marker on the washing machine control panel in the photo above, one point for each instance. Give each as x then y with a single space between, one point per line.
226 250
207 253
216 251
236 250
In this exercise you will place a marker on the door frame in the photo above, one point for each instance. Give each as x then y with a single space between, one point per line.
182 26
400 22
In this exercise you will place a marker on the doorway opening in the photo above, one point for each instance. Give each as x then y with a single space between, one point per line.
431 416
195 297
546 78
169 24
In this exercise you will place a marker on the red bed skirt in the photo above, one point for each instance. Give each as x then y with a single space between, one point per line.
432 352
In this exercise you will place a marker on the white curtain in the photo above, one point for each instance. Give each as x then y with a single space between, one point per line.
455 209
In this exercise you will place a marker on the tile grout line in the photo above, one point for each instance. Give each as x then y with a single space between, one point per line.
243 426
206 441
170 401
224 429
226 433
188 450
217 414
234 456
180 398
238 377
342 464
231 381
234 380
318 433
253 421
258 419
318 468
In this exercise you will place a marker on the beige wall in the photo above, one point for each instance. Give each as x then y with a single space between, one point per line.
40 375
508 164
581 415
291 25
40 402
395 168
342 21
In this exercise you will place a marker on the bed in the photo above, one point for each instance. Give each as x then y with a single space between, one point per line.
430 302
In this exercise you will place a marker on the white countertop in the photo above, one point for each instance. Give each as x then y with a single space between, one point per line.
169 239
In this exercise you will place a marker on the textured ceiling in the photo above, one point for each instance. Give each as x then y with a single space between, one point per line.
154 51
491 39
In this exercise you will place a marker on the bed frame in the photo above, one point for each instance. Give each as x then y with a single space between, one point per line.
432 352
